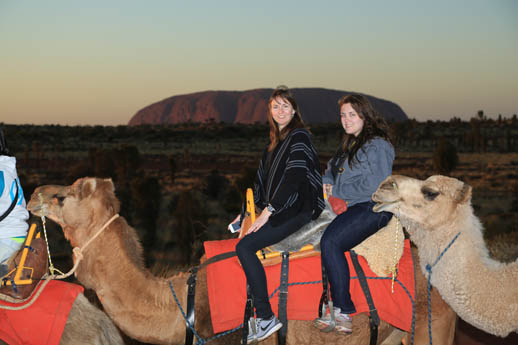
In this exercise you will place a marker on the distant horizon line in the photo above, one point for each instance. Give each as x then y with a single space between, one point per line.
209 122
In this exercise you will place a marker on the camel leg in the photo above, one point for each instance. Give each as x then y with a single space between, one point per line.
395 337
87 324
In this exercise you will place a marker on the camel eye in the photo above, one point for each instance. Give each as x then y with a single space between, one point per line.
59 198
429 194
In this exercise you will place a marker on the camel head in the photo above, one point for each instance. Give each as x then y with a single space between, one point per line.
430 204
86 203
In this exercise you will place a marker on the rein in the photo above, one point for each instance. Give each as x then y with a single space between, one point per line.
78 251
429 288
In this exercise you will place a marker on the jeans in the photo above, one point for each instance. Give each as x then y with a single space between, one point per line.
246 251
345 232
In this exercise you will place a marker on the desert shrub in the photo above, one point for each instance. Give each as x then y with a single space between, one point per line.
173 167
504 247
232 200
445 158
216 184
191 224
145 194
246 178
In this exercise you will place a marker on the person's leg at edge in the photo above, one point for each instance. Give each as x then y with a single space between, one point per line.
344 233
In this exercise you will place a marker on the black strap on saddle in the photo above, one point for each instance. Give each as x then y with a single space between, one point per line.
249 309
374 319
13 204
283 298
191 291
324 299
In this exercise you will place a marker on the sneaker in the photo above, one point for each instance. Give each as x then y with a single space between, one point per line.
263 328
342 323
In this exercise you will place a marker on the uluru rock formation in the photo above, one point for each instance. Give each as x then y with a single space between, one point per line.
317 105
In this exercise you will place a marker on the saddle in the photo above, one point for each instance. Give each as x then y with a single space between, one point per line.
26 268
382 252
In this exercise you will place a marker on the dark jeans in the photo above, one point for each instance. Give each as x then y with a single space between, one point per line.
345 232
246 251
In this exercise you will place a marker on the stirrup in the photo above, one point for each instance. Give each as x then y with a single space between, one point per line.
332 324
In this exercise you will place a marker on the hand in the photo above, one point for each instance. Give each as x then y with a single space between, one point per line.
234 221
259 221
328 188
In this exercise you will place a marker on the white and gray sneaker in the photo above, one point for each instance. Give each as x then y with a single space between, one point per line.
260 329
339 322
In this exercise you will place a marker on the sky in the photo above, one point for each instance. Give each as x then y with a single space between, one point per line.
99 62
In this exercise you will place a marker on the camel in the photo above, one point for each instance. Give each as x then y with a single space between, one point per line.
88 325
439 218
143 306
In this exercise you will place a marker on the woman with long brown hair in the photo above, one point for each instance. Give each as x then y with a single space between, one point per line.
288 189
361 163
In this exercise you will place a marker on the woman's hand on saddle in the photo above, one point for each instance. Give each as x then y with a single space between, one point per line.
259 221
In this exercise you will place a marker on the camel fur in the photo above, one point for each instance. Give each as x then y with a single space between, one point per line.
143 306
482 291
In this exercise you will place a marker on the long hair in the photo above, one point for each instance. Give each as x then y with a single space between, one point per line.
296 122
374 125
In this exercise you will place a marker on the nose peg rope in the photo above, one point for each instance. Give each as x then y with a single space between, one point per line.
43 211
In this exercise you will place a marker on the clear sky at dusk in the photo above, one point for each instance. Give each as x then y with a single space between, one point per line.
99 62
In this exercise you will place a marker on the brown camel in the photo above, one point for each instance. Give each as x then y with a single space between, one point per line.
142 305
88 325
438 215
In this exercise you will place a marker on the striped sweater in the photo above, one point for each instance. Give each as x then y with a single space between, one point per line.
289 178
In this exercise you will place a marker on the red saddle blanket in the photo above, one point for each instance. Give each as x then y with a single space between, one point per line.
226 284
43 321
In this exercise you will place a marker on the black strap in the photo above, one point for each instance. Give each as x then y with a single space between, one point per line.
216 258
13 204
374 319
283 298
191 290
249 307
324 299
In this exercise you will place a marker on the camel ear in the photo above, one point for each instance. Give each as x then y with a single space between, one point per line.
107 190
87 187
463 194
110 183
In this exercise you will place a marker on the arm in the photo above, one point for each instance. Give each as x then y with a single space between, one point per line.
374 165
327 178
258 183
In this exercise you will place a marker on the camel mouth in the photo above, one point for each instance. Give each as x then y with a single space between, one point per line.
34 208
381 206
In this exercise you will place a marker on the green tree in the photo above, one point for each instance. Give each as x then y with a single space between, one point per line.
190 225
445 158
216 184
145 194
